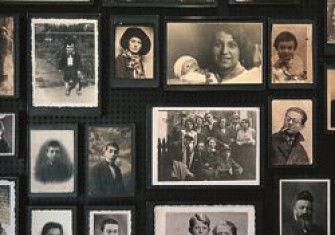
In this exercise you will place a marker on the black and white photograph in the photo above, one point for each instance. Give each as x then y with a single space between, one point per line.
204 220
304 206
110 161
230 54
7 134
110 222
292 53
8 207
52 221
331 21
44 1
330 98
161 3
205 146
292 132
265 2
64 60
53 160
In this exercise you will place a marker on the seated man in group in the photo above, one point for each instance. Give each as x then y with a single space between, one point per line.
209 162
228 166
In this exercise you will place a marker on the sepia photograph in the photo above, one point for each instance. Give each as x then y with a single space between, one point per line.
330 98
43 1
161 3
8 207
7 134
231 53
64 61
53 160
304 206
204 220
110 222
265 2
205 146
292 132
52 221
110 160
331 21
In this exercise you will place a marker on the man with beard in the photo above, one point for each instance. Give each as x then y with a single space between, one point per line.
286 146
302 222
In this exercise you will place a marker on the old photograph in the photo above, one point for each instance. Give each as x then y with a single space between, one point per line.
110 162
261 2
292 53
330 99
205 146
51 221
304 206
52 159
108 222
331 21
229 54
170 3
42 1
8 207
204 220
292 132
7 134
64 62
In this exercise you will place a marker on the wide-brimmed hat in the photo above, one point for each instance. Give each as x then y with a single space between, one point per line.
139 33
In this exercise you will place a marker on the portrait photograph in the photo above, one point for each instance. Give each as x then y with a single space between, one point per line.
204 220
331 21
292 132
265 2
8 206
110 161
230 54
53 160
106 222
7 134
292 53
205 146
330 98
52 221
304 206
64 60
43 1
161 3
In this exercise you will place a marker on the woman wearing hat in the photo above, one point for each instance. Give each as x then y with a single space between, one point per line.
129 63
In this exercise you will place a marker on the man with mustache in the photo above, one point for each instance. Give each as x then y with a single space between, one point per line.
302 222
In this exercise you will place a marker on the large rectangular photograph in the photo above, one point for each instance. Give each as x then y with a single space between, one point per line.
8 207
205 146
162 3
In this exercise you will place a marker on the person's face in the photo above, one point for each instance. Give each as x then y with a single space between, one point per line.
223 123
200 228
223 230
189 66
303 209
286 50
244 124
70 48
135 45
209 118
111 229
111 154
54 231
53 152
189 125
227 153
201 146
293 122
211 144
199 121
225 51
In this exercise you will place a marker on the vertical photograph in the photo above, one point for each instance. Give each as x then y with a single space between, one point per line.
292 132
205 146
292 53
331 21
7 134
53 161
330 98
110 161
64 61
304 206
8 207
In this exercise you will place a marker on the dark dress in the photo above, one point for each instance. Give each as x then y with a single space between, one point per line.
125 68
53 171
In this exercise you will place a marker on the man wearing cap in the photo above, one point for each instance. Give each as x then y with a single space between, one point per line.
302 221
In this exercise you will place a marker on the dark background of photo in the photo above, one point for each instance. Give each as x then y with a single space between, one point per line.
128 105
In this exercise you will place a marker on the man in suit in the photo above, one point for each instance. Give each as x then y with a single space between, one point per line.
106 177
109 227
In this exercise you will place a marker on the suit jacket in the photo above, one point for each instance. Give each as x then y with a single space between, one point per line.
292 228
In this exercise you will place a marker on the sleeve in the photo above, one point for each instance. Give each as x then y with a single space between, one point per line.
94 180
121 68
79 62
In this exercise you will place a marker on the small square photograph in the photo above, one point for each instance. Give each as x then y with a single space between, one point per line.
52 161
7 207
304 206
7 134
292 53
331 21
230 54
331 99
204 220
205 146
134 52
110 162
261 2
106 222
64 62
52 222
292 132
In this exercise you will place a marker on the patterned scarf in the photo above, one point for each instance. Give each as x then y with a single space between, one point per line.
134 62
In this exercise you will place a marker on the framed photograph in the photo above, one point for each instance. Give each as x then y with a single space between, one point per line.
204 219
229 57
202 146
161 3
265 2
55 220
110 160
330 97
292 53
330 24
45 1
135 53
8 210
304 206
7 134
53 160
110 220
65 65
292 132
